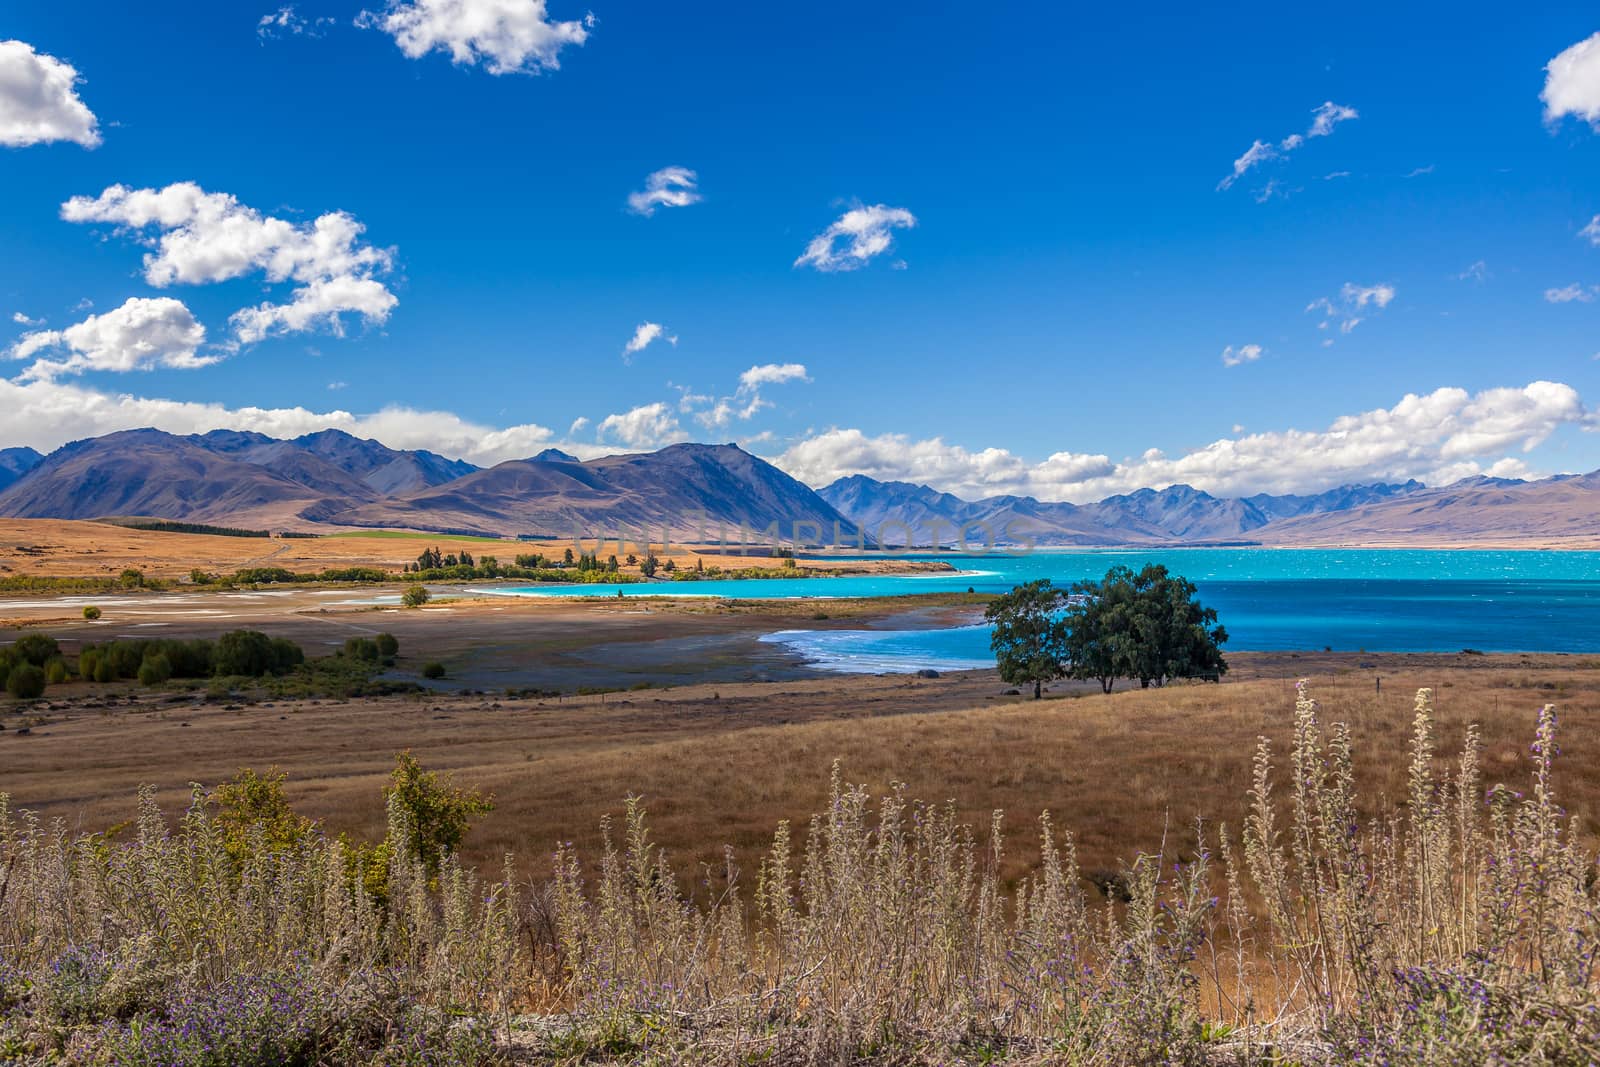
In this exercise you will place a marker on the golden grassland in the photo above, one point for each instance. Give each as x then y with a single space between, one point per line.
60 548
722 766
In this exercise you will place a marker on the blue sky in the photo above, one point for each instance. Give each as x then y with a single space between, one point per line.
1063 286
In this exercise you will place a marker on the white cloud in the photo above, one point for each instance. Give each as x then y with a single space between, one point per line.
1572 83
644 335
1344 311
1417 172
772 374
46 414
667 187
1592 231
334 387
578 426
1477 272
1233 357
1569 294
646 426
864 231
39 100
1437 437
210 237
1324 118
505 36
1359 296
22 320
286 22
716 413
142 334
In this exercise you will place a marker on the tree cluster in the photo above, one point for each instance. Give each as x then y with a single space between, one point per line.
1145 625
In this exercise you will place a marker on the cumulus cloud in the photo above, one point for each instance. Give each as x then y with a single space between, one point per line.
646 426
142 334
1572 83
772 374
855 238
1324 118
644 335
22 320
1436 437
39 100
203 237
667 187
47 413
504 36
1348 310
1233 357
1568 294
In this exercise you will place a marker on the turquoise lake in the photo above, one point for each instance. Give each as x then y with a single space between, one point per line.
1269 599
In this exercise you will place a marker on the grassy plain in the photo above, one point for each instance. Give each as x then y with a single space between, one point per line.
722 764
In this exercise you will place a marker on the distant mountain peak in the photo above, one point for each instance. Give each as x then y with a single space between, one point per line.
553 455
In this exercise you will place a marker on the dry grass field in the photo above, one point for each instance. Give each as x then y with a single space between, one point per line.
61 548
722 765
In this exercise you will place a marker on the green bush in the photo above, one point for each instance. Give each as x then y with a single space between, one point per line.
252 654
91 613
56 672
434 670
363 648
25 682
154 670
37 649
388 646
416 596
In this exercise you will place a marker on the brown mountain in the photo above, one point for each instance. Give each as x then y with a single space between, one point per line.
1558 512
150 473
689 490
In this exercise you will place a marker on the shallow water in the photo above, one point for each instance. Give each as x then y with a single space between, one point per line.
1269 599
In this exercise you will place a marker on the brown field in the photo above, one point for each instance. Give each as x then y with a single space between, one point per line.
721 765
62 548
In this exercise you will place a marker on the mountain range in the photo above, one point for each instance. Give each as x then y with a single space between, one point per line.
1176 514
334 480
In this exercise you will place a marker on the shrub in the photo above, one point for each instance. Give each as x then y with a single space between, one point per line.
37 649
56 672
415 596
437 812
25 682
363 648
433 670
132 578
154 670
252 654
90 612
388 646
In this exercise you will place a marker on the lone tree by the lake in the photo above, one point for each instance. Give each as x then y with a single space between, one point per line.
1030 635
1146 625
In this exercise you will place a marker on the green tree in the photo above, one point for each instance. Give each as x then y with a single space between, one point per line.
1029 637
437 812
388 645
25 682
37 649
415 596
90 613
1146 625
648 567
